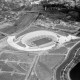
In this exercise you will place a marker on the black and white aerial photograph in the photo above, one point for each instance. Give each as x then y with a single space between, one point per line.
39 39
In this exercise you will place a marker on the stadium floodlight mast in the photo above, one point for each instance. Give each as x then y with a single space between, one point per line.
28 36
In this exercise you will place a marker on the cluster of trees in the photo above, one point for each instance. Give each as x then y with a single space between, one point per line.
9 9
70 8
